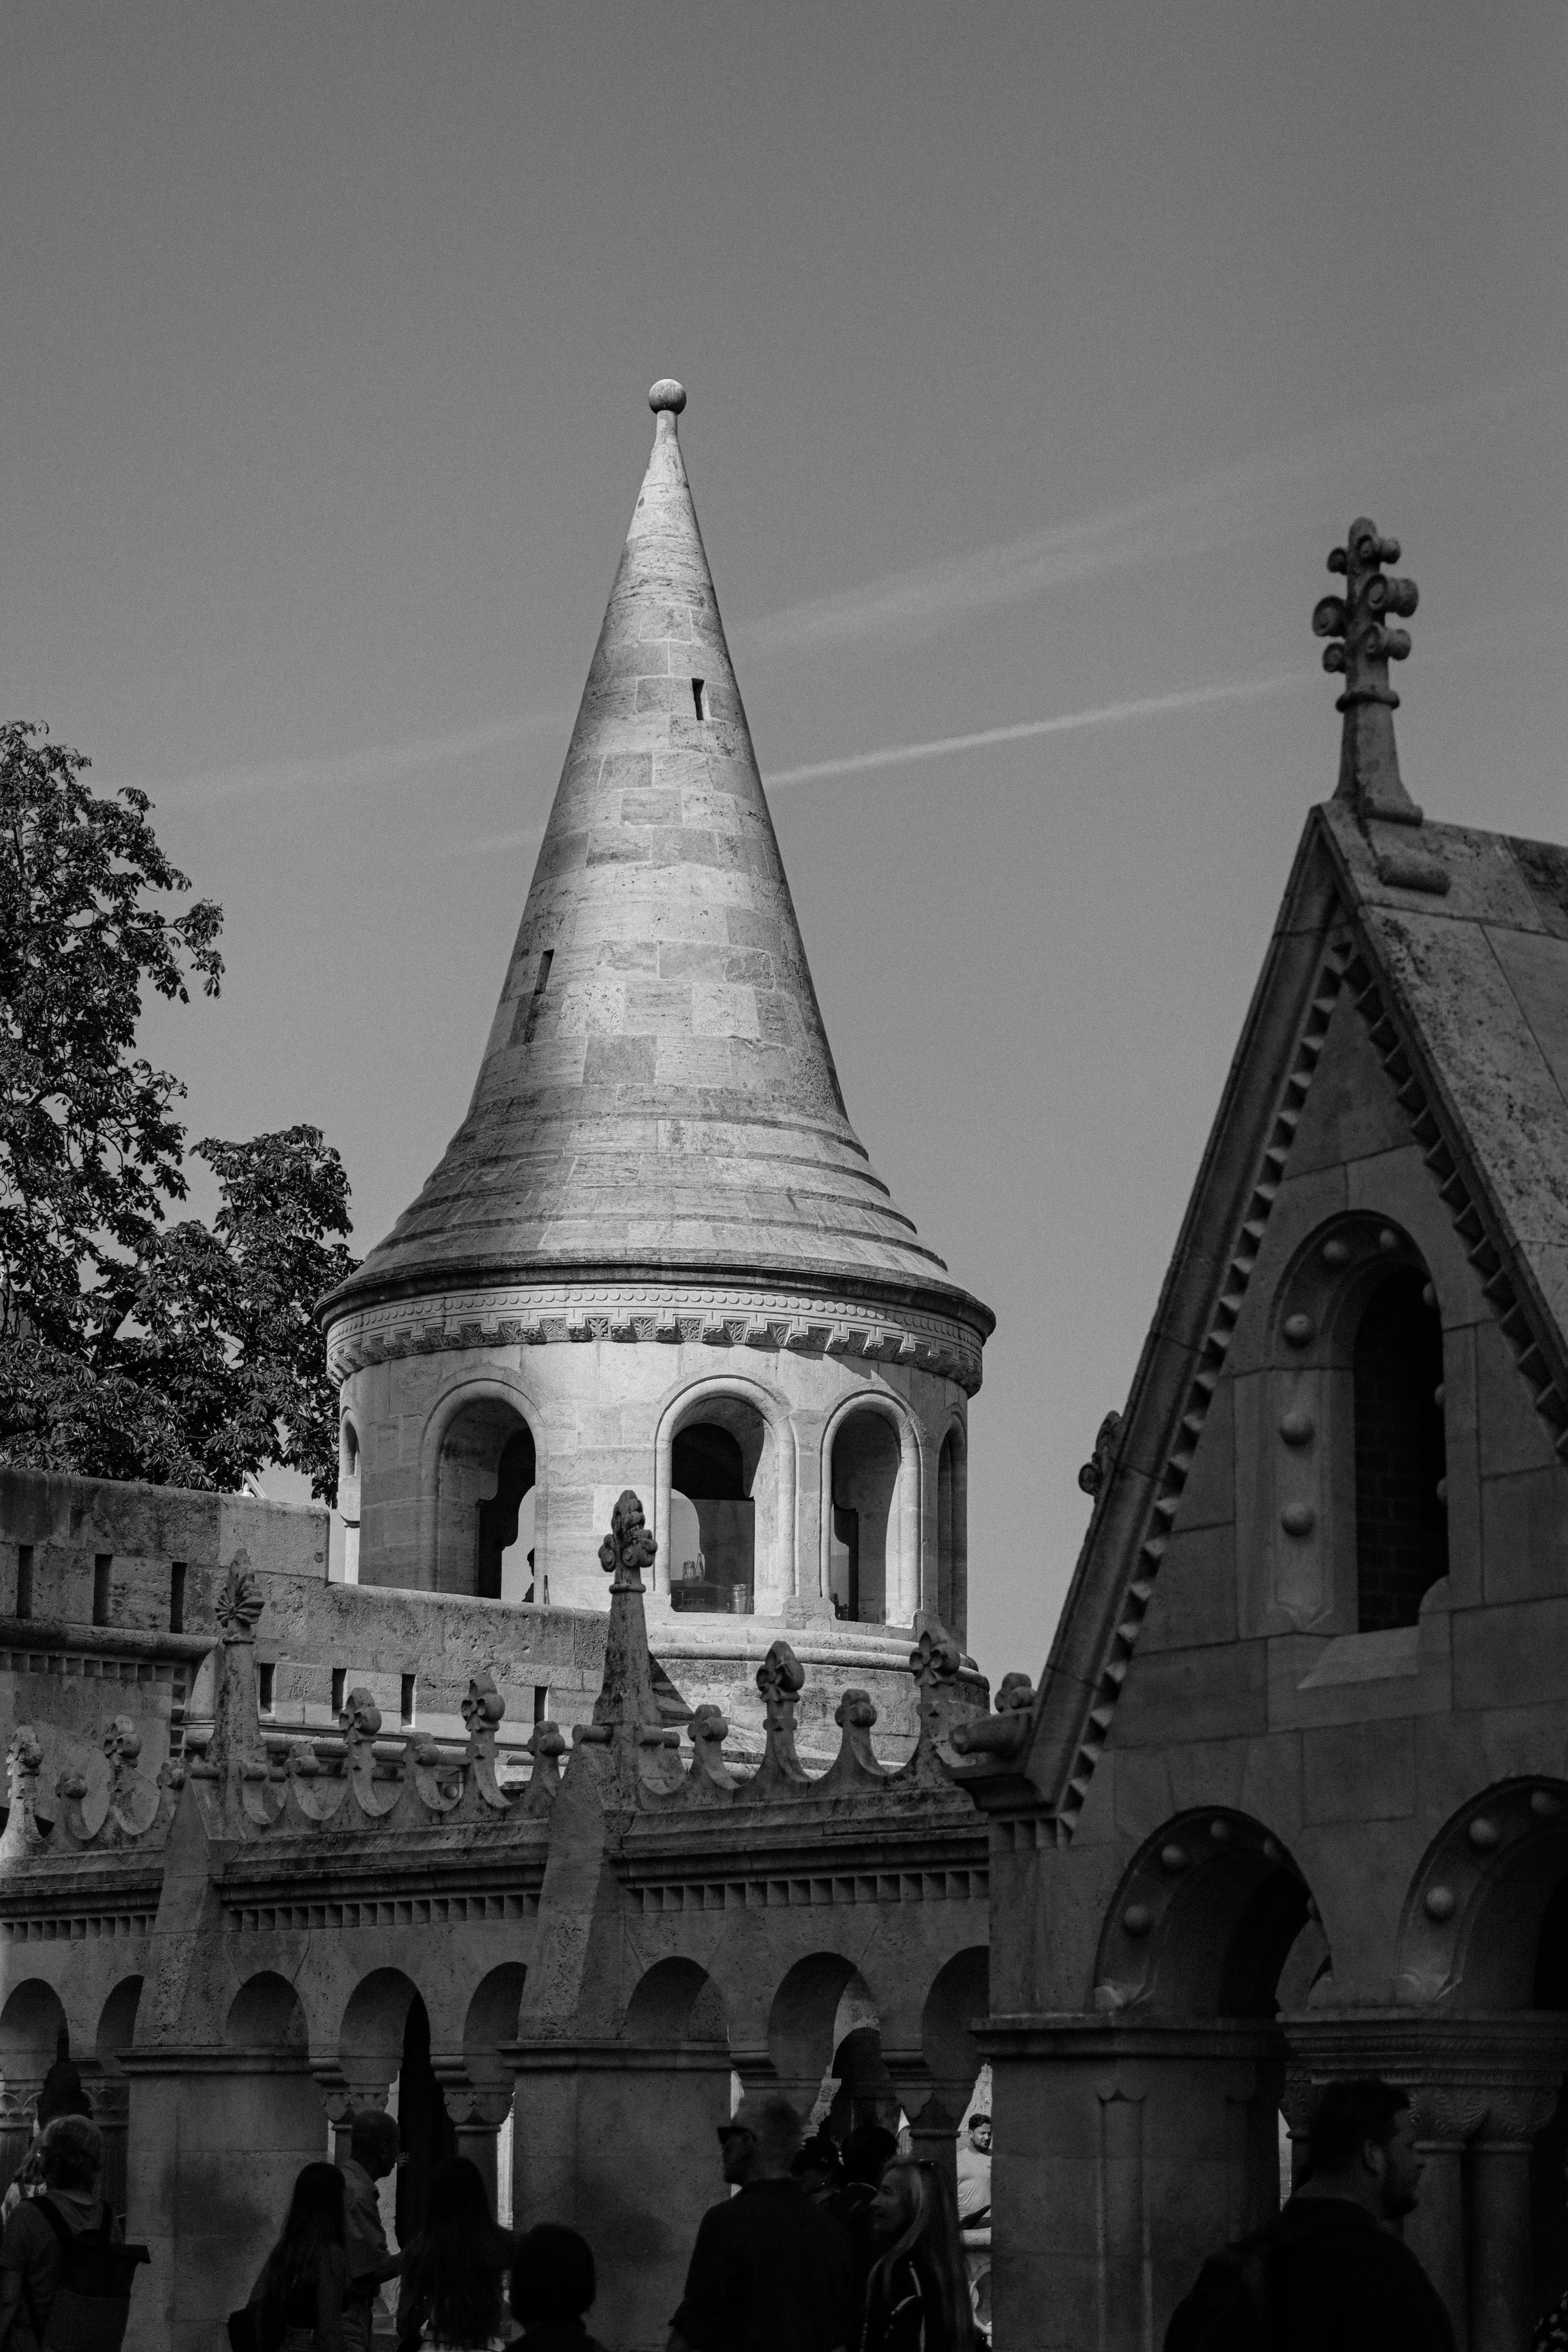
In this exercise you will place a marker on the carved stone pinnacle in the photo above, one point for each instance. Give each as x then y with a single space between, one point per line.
239 1605
629 1547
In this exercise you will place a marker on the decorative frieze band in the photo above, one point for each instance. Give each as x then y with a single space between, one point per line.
671 1316
399 1911
823 1887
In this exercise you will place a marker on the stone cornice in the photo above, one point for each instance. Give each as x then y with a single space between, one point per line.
938 1333
128 1642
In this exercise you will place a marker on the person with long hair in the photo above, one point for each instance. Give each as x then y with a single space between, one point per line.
917 2297
303 2277
451 2299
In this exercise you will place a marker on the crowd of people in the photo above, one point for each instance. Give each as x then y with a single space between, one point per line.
816 2249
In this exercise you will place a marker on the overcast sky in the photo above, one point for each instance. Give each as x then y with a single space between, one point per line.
1037 356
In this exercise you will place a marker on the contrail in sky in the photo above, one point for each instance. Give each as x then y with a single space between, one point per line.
1066 722
382 763
1272 489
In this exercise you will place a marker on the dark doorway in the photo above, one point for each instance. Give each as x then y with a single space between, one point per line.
1400 1516
498 1518
844 1562
423 2125
709 1467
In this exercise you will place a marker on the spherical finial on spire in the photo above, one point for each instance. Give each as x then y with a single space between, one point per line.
666 394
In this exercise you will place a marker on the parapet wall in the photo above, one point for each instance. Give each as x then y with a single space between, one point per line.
107 1599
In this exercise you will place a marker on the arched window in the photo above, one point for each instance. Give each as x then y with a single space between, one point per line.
349 1498
504 1543
1401 1519
713 1519
952 1534
862 1543
486 1475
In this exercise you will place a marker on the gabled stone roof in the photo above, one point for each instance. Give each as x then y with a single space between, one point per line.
1453 944
657 1092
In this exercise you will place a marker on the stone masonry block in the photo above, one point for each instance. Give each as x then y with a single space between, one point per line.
1195 1593
1193 1694
1513 1434
1359 1771
1143 1797
1208 1773
1271 1784
1524 1534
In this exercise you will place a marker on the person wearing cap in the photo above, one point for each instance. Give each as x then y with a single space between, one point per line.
771 2270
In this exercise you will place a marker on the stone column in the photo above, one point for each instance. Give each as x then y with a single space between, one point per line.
909 1530
110 2096
663 1489
1503 2270
1444 2119
221 2134
932 2109
808 1585
1123 2222
478 2111
619 2140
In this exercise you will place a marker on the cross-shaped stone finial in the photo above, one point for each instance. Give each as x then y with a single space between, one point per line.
628 1548
1362 649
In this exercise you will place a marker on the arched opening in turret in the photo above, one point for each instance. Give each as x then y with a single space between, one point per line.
713 1517
1401 1514
484 1537
863 1560
952 1532
349 1498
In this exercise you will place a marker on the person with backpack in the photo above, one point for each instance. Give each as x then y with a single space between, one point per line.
296 2302
452 2297
1326 2274
65 2270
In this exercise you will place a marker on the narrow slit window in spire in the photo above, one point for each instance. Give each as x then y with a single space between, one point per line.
699 697
536 1001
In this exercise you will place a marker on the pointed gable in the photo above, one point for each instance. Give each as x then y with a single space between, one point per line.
1407 1045
657 1091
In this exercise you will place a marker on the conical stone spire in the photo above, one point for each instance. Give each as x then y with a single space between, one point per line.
657 1092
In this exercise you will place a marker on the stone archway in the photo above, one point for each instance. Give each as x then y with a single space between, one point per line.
33 2034
271 2107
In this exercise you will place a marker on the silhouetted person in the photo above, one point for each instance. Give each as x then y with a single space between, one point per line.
454 2272
770 2270
817 2169
1325 2275
917 2297
62 2093
866 2154
304 2277
375 2149
553 2284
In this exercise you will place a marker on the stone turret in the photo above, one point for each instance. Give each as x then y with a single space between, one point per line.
656 1252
